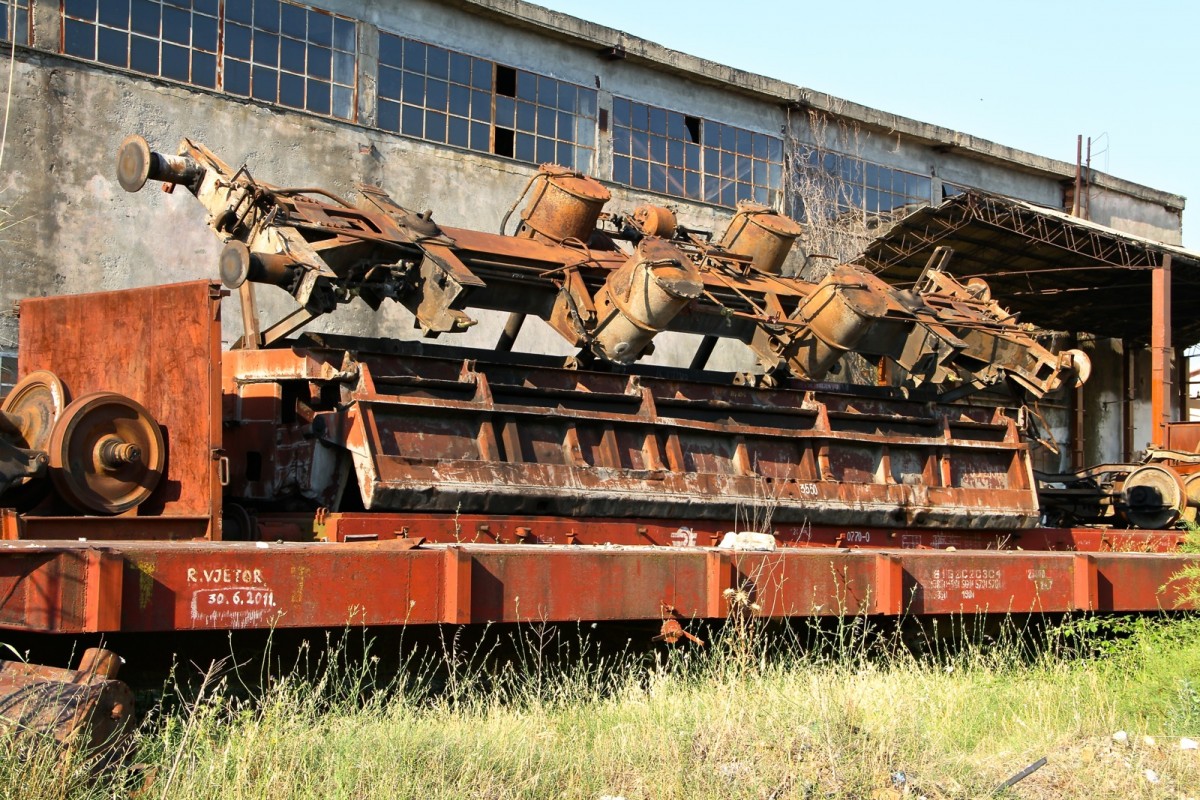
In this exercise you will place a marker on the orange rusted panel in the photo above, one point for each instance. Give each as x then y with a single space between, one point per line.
160 346
179 586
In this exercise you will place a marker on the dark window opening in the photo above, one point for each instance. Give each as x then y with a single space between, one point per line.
505 142
506 81
693 128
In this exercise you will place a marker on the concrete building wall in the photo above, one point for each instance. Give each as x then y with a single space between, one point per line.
1104 406
1135 216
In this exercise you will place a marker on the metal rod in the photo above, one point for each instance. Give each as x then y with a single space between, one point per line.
1127 405
251 337
508 337
1020 776
703 352
1086 201
1079 175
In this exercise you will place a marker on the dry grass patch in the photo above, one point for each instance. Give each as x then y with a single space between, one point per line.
747 718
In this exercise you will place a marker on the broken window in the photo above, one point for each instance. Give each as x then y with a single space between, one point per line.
273 50
452 98
677 154
741 165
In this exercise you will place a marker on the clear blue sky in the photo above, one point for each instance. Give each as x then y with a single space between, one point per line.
1027 74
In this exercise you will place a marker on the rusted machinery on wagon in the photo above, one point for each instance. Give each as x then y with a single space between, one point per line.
606 291
430 430
305 480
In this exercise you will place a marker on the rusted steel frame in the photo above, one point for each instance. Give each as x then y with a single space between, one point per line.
513 529
443 406
1058 233
841 401
439 306
911 242
1161 352
841 410
222 586
1011 273
1113 252
524 372
539 488
473 245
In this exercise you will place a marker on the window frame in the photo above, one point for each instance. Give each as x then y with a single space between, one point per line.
340 81
505 110
661 150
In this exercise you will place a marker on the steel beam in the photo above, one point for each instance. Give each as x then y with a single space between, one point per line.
1160 352
203 585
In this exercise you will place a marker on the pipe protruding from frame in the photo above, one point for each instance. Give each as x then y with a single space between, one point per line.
137 163
238 265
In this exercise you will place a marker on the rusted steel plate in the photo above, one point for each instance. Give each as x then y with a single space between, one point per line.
510 529
159 346
441 434
217 586
84 707
1148 581
71 590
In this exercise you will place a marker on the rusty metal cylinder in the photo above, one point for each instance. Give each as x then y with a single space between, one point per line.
238 265
137 163
839 313
641 297
653 220
759 233
565 205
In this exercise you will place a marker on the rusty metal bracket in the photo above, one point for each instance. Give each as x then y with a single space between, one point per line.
672 631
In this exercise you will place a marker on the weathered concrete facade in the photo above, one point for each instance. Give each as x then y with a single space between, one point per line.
74 230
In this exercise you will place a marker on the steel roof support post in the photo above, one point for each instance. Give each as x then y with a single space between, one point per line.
1160 351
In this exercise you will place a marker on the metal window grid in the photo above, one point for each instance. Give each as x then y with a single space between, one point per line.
672 153
272 50
449 97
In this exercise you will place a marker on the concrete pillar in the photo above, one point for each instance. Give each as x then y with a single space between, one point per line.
604 140
368 73
46 18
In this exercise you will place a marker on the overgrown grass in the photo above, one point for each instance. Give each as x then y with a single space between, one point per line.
815 713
